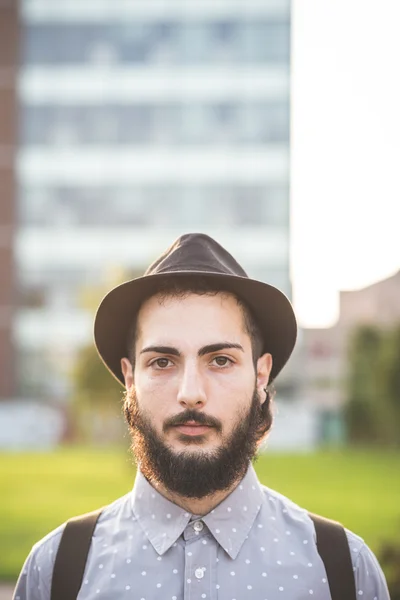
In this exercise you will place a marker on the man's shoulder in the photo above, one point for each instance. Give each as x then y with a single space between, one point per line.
282 505
290 511
36 575
369 578
46 548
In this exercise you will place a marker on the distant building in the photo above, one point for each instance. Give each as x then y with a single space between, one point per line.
377 304
9 60
324 363
141 120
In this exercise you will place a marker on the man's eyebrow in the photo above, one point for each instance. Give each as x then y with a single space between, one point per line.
209 349
161 350
217 347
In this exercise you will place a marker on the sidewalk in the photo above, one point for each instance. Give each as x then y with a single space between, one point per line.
6 591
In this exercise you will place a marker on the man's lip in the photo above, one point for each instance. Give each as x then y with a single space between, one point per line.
192 428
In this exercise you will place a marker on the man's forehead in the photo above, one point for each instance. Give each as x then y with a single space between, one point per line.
175 313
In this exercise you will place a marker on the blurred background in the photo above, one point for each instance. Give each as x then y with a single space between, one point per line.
272 126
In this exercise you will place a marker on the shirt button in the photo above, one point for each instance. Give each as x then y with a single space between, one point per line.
199 573
198 525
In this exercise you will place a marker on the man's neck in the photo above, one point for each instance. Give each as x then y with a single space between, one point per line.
196 506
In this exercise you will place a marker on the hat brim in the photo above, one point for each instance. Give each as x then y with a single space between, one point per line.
118 309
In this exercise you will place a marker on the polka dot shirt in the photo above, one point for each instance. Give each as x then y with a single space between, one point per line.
255 545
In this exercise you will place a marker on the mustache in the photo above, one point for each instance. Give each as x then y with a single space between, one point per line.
192 415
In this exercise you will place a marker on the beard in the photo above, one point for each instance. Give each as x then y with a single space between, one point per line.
200 473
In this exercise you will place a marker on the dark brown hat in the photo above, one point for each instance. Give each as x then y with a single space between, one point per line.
194 254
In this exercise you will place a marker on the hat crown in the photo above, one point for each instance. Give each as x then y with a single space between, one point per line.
196 252
193 255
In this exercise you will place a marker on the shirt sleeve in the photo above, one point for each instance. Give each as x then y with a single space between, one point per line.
370 580
34 581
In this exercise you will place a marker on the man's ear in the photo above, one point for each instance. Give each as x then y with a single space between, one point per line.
264 366
127 371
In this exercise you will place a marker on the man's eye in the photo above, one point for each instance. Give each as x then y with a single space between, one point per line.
161 363
222 361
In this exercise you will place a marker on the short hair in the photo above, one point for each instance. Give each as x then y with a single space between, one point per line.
183 286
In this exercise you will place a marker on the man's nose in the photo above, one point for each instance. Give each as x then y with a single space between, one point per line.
191 393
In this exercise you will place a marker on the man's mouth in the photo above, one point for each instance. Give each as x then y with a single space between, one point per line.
192 428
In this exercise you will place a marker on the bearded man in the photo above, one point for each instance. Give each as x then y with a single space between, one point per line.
197 345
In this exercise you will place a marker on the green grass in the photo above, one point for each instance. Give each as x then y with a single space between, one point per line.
39 491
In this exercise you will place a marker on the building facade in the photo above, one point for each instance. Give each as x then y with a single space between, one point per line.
9 43
323 363
141 120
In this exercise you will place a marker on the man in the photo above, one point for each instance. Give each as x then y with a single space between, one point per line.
196 344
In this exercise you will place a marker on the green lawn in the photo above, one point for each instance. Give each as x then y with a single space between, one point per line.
39 491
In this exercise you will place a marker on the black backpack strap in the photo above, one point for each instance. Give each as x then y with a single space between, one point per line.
69 565
333 548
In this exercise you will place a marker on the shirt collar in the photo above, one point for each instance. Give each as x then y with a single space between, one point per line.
231 521
163 522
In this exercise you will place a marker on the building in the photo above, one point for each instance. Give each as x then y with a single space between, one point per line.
141 120
9 38
323 362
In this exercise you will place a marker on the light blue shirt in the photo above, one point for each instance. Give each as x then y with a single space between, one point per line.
255 545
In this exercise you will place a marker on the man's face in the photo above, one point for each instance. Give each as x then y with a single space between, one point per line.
194 380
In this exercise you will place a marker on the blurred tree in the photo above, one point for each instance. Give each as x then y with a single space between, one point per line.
97 400
360 409
389 559
97 396
372 411
390 382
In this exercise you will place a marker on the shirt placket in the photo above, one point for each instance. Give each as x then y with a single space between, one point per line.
200 562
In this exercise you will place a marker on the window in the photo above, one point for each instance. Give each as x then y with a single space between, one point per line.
155 124
173 42
170 205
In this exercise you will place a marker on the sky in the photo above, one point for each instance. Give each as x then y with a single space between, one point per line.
345 154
